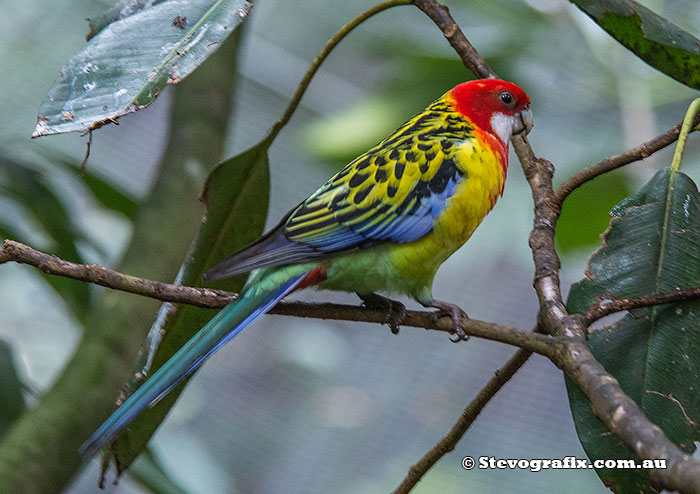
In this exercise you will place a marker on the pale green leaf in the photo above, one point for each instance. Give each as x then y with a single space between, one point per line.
124 67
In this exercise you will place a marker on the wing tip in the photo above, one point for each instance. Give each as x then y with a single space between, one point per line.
220 271
95 443
88 449
264 252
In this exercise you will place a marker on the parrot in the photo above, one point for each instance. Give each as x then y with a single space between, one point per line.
384 223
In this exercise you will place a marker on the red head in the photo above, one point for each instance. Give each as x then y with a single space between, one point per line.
498 107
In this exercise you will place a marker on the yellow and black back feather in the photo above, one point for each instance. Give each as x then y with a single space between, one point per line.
392 193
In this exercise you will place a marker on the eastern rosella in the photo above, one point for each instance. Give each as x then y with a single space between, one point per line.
385 222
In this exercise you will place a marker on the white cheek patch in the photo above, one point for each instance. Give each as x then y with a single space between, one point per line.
502 125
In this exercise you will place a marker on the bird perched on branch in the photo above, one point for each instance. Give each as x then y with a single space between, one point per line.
384 223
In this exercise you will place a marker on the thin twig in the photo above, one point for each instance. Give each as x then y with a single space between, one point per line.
469 415
611 163
216 299
88 145
691 116
98 275
612 304
325 51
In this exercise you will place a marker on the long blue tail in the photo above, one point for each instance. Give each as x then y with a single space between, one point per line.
255 300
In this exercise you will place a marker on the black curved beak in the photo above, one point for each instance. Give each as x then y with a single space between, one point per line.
524 122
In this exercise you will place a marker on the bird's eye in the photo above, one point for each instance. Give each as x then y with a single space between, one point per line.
506 98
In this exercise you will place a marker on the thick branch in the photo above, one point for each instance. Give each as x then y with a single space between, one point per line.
538 173
216 299
611 163
613 304
469 415
626 420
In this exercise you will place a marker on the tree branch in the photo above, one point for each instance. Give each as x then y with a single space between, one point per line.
611 163
538 172
108 278
216 299
440 15
449 441
619 412
612 304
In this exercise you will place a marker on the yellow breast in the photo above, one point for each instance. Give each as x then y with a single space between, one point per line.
474 197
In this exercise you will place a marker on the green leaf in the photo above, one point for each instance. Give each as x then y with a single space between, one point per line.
651 246
148 472
12 402
236 195
124 67
657 41
111 197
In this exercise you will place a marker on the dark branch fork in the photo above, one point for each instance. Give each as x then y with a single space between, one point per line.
565 343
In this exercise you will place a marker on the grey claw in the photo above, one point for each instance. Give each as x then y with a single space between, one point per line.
395 311
453 311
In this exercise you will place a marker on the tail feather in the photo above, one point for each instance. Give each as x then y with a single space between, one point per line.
231 320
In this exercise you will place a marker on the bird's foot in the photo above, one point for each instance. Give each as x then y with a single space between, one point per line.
395 311
455 312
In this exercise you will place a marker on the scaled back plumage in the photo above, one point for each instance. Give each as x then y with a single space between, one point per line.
393 192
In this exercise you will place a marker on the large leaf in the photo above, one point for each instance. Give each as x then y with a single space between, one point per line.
124 67
652 246
236 194
12 402
658 42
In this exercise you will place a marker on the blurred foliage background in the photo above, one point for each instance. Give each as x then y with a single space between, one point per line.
317 406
